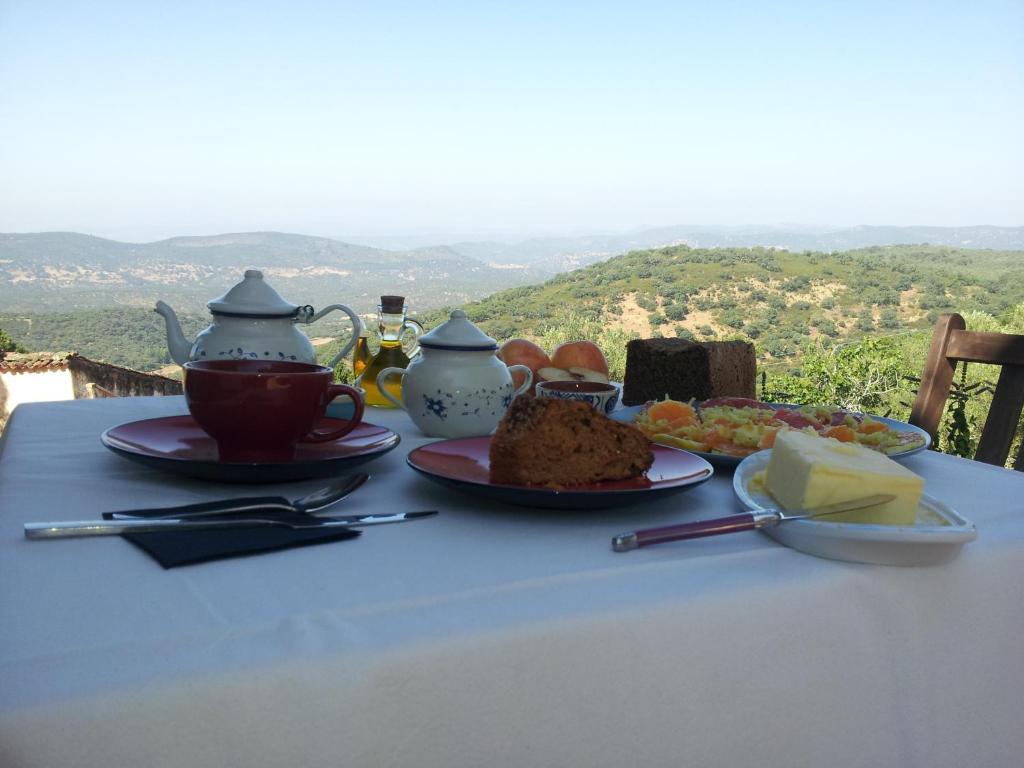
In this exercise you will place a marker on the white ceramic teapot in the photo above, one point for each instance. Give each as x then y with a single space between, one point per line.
457 386
252 321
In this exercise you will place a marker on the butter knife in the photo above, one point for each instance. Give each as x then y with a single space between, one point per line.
75 528
746 521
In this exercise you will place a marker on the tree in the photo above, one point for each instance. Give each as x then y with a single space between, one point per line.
7 344
865 322
862 376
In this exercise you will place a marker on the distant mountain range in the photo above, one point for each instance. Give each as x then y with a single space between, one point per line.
65 270
562 254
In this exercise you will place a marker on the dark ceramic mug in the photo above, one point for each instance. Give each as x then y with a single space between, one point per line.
258 411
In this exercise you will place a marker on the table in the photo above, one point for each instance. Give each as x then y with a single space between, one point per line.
490 635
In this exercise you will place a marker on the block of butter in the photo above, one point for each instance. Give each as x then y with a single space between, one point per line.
806 471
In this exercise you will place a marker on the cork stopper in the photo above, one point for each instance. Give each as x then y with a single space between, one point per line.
392 305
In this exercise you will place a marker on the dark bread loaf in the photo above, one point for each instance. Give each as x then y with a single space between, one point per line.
733 367
681 370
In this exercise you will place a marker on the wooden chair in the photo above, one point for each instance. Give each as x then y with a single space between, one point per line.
951 344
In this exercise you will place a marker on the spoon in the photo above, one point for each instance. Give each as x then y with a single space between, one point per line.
319 499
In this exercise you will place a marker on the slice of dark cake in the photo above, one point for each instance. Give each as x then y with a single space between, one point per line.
557 443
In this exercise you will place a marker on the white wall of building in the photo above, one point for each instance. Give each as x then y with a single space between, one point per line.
34 387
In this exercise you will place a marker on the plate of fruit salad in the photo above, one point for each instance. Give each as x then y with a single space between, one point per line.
725 430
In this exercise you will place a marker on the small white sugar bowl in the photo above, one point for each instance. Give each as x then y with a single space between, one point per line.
457 386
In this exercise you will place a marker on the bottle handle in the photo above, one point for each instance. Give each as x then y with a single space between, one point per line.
417 330
357 326
333 391
526 384
382 376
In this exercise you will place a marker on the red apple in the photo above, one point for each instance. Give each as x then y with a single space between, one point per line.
523 352
550 373
580 354
588 375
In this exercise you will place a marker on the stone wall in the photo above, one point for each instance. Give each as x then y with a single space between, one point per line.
41 376
119 382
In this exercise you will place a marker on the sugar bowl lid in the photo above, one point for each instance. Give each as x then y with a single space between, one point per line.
254 298
458 334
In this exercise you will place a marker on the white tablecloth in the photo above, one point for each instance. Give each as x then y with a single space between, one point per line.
490 635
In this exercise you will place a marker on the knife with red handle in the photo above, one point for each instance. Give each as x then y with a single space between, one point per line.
746 521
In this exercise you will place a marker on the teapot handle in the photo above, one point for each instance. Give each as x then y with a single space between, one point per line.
357 326
526 383
382 377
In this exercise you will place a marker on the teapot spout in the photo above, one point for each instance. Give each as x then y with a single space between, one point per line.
179 346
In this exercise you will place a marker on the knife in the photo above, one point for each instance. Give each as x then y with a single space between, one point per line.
74 528
746 521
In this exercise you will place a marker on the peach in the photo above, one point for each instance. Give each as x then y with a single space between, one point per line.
523 352
580 354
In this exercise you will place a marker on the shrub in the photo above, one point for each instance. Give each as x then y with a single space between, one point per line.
676 311
733 318
646 302
889 319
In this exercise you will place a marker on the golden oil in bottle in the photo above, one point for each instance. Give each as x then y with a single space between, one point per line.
361 355
390 356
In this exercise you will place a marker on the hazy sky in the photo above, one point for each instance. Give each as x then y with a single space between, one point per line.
146 119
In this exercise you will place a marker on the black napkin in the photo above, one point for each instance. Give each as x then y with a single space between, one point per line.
174 548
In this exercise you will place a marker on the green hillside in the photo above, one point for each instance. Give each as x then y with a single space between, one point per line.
131 337
780 300
777 299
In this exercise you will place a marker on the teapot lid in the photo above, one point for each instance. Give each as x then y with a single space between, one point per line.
458 334
252 297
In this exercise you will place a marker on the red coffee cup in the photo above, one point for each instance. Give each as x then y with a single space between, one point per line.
258 411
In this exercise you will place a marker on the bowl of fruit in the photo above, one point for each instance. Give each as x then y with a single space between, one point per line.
573 361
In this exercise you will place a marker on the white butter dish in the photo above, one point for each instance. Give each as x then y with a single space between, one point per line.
936 536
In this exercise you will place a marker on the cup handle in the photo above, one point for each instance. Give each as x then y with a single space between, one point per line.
333 391
382 376
526 384
357 326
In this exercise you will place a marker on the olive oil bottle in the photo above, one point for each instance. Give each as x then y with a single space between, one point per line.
392 324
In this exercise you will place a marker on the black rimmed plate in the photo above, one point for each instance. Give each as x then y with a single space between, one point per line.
724 461
176 444
464 464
